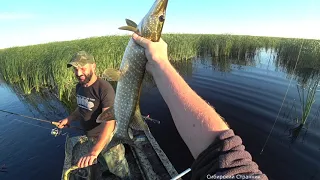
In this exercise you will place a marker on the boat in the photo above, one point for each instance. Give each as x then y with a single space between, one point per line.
146 159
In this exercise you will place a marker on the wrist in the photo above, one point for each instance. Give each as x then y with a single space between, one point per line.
68 120
71 118
160 67
94 153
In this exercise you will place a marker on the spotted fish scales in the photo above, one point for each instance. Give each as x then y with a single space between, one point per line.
130 75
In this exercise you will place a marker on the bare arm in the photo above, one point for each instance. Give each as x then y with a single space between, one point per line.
216 149
198 123
74 116
104 137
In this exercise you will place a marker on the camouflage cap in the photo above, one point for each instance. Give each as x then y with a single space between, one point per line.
80 59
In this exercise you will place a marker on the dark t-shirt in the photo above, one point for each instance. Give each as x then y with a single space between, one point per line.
91 100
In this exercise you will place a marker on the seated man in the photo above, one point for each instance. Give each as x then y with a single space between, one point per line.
95 95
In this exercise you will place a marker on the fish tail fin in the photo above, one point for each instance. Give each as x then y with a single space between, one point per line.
116 140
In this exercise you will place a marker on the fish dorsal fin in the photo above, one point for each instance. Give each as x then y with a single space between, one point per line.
115 75
131 23
129 28
106 115
111 74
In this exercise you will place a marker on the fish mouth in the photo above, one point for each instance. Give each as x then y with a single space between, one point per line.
155 19
160 7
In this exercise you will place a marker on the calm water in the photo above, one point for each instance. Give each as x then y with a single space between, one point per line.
248 96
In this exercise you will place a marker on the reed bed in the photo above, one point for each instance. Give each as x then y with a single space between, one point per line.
308 64
44 65
307 95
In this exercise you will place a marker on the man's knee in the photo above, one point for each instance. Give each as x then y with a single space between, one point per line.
115 154
116 161
121 169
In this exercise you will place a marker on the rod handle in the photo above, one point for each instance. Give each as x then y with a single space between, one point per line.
55 123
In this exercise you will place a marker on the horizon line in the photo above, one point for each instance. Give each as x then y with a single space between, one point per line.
177 33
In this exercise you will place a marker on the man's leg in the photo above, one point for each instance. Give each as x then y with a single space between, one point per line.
116 161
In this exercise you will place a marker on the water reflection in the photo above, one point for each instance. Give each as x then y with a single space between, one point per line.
297 61
45 103
185 68
249 94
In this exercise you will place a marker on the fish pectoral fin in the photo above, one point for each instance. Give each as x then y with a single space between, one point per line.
129 28
131 23
137 122
111 74
151 119
106 115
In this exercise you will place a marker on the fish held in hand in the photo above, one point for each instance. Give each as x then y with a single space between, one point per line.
129 77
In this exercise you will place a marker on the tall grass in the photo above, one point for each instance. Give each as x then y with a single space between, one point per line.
308 66
307 96
44 66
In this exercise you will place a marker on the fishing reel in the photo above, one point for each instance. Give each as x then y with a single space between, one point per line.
56 132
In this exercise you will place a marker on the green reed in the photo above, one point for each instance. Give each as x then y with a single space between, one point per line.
44 66
307 94
308 65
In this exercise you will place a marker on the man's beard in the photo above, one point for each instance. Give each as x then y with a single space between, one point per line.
87 78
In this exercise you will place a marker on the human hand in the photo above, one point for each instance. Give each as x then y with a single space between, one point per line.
156 52
86 160
63 123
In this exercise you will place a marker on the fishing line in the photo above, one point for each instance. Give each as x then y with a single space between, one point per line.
31 124
294 69
42 120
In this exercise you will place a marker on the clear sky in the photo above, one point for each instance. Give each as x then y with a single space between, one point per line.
38 21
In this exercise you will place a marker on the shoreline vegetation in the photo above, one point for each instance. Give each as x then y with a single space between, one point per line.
41 66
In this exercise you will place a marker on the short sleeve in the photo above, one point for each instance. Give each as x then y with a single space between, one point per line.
107 94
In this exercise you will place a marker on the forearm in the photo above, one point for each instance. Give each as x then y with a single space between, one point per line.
74 116
196 121
104 137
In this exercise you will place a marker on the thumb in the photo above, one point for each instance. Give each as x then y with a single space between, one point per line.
140 40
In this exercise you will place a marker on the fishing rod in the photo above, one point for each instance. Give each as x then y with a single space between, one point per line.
181 174
54 132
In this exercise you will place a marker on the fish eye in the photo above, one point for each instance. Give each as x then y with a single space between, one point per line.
162 18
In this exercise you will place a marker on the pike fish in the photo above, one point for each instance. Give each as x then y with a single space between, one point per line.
129 77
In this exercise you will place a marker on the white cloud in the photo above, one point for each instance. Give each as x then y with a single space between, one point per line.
15 16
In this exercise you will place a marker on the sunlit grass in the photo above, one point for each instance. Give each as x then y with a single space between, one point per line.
44 66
